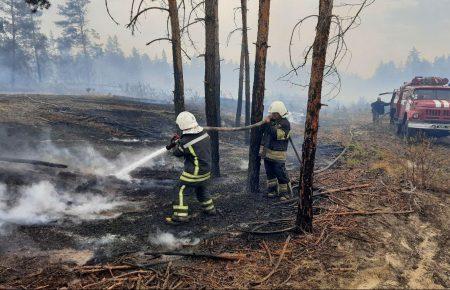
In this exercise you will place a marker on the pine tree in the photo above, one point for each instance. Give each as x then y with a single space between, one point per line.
212 79
259 80
22 44
76 34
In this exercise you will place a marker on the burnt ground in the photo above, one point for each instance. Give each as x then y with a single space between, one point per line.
407 247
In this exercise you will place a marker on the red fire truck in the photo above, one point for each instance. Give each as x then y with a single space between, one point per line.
422 105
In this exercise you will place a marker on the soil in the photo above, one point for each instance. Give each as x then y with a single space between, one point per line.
349 251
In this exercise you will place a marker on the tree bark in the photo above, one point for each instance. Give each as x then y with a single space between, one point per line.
212 79
258 95
237 122
305 210
178 93
247 67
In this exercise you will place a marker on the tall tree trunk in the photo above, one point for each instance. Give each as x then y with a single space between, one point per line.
240 89
178 93
84 44
35 51
305 210
246 66
13 32
258 95
212 78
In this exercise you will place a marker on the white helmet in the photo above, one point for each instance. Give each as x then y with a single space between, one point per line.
187 123
278 107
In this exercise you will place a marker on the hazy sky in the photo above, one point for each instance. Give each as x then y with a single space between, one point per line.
388 29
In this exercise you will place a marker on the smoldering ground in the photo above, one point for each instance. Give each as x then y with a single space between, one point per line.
86 190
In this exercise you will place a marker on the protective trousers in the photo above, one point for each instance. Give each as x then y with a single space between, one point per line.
184 190
376 118
278 181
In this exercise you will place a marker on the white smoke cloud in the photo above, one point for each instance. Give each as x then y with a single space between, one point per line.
169 242
84 158
88 160
42 203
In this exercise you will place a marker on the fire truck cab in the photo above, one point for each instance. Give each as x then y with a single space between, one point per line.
422 105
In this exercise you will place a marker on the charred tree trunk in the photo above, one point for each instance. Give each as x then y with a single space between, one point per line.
212 78
258 95
178 93
305 210
246 66
237 122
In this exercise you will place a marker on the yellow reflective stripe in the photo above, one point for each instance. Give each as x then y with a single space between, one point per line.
197 167
275 155
271 182
281 135
188 175
208 202
284 187
184 214
181 194
210 207
181 207
183 178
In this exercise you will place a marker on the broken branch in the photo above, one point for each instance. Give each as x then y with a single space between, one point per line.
283 252
221 256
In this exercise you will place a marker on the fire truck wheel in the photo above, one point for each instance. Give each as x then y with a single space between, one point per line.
399 130
408 132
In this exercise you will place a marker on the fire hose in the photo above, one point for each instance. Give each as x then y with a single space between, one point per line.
234 129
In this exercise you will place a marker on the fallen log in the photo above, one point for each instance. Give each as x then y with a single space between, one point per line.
96 269
32 162
347 188
221 256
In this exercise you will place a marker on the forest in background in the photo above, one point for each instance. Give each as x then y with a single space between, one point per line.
76 62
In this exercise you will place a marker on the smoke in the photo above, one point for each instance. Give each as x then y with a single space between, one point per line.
41 203
243 164
168 241
83 158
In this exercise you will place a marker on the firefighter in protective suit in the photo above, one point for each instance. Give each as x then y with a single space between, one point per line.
275 140
194 146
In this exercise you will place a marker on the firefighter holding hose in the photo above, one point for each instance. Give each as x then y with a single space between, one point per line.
194 146
274 145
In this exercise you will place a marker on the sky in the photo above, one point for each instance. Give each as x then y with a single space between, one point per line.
387 30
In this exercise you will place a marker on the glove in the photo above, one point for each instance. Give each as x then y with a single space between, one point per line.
173 141
175 138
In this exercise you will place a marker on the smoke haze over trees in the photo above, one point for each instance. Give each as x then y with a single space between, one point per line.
76 62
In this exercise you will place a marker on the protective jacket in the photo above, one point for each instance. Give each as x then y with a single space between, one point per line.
378 107
196 150
276 140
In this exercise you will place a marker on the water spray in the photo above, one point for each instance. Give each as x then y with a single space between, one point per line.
124 173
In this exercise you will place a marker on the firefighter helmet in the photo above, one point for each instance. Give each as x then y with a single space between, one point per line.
278 107
187 122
